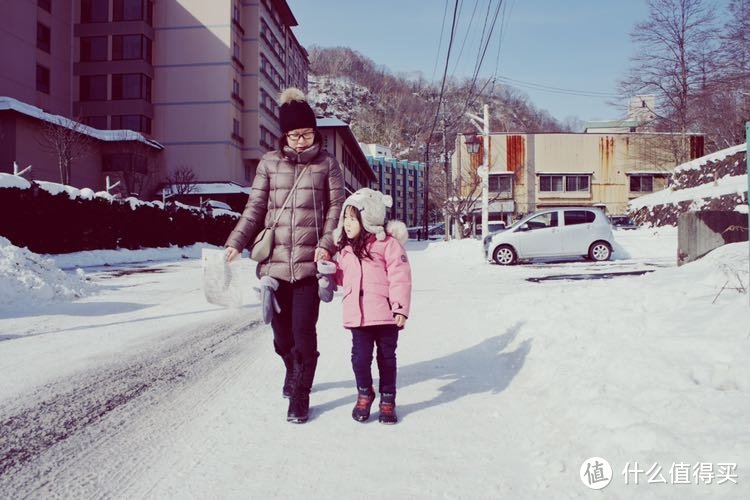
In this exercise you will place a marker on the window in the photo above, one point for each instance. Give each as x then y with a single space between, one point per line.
93 48
94 11
43 37
573 217
130 47
642 183
99 122
131 86
42 79
550 183
139 123
564 183
543 221
499 183
236 50
577 183
236 127
125 162
133 10
45 4
93 88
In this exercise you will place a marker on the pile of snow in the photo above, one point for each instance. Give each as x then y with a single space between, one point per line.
28 279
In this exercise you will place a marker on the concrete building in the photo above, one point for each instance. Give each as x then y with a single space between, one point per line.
339 140
532 171
403 180
200 78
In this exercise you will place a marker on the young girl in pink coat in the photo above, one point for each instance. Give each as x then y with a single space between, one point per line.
375 274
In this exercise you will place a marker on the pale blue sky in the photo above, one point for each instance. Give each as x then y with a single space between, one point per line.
580 45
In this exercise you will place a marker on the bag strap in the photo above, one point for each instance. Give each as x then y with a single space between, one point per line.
291 191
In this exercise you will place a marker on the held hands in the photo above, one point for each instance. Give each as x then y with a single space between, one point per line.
321 254
400 320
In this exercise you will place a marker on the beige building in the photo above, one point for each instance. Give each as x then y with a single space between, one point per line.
200 78
532 171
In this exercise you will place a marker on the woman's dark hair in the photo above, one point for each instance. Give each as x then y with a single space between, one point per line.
317 140
359 244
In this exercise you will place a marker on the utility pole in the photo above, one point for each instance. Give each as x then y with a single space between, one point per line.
446 172
426 189
484 170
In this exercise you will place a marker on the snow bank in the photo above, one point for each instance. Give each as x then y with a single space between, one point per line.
27 278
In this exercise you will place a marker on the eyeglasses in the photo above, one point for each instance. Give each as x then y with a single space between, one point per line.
296 137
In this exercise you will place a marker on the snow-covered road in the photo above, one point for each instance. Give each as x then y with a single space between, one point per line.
506 386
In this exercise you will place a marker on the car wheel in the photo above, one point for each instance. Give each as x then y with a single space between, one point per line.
504 255
600 251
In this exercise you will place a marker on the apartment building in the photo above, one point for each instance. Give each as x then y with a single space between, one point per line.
403 180
532 171
200 78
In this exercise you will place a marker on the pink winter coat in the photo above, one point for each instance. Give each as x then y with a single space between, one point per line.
375 289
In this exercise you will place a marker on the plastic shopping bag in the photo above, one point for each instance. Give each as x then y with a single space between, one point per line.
222 283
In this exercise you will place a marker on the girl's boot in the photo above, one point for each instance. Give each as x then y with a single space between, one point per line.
365 397
388 408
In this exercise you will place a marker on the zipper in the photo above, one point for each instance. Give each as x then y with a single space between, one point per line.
361 293
291 228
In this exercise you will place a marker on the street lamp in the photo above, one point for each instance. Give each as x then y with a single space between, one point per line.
483 171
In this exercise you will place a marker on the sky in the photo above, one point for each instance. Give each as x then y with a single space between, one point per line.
136 387
583 46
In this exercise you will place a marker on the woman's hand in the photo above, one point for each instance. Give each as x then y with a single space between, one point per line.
231 253
321 254
400 320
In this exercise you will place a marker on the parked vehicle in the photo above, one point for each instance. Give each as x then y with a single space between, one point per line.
553 232
436 231
492 227
622 222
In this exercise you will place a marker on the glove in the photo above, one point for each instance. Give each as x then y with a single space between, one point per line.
326 280
268 302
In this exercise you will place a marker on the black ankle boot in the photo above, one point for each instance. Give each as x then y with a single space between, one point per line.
299 409
388 409
286 391
302 380
365 397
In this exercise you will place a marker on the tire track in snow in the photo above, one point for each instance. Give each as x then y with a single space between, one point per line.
81 412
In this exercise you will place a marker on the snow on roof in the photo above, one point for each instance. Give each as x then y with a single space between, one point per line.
331 122
8 103
735 184
211 188
717 156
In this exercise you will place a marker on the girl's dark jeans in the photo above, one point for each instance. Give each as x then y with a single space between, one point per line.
385 337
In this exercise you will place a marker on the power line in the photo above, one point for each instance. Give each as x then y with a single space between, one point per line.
440 44
556 90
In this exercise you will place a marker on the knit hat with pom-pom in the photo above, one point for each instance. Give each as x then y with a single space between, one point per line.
371 205
294 111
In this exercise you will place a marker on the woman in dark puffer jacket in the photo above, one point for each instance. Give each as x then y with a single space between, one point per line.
302 237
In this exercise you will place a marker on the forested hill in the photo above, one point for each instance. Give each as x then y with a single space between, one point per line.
399 111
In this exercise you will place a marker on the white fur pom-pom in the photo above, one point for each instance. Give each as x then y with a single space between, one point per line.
398 230
291 94
387 201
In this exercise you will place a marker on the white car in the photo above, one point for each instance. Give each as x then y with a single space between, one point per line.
553 232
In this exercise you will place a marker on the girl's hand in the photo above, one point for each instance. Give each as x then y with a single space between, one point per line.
400 320
230 254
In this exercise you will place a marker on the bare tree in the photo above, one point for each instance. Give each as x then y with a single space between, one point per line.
675 47
133 162
67 140
182 180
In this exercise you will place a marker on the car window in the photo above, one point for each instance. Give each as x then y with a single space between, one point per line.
542 221
573 217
